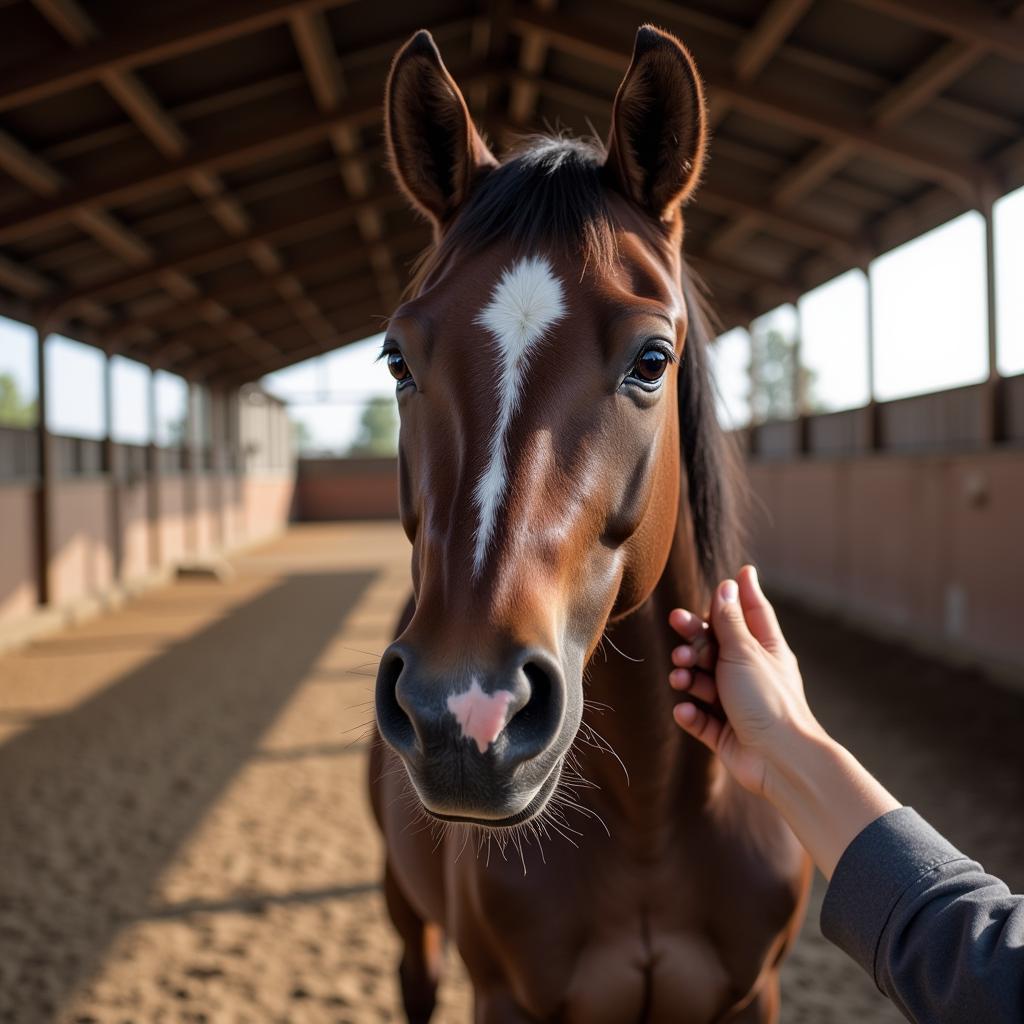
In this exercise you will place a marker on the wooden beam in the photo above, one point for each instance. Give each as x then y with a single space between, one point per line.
756 48
709 266
968 23
925 82
796 227
23 281
221 155
187 340
313 41
285 135
532 54
156 40
280 339
28 168
798 115
405 244
316 48
241 375
900 102
310 223
776 22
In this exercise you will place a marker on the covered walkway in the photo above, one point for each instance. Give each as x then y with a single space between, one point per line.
184 826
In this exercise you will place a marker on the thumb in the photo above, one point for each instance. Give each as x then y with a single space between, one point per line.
728 622
757 610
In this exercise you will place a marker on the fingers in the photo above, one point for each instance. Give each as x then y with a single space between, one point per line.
697 684
757 610
685 623
728 622
702 653
699 724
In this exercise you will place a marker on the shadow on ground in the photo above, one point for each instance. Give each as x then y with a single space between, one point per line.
96 801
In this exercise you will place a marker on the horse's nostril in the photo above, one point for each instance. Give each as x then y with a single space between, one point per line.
531 726
395 725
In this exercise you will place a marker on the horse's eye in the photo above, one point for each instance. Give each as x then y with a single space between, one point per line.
396 364
650 365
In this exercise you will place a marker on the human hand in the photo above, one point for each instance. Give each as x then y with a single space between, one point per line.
755 679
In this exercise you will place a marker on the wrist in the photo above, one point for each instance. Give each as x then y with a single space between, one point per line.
825 794
798 757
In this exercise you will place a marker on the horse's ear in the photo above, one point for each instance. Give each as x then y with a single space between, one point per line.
436 152
659 125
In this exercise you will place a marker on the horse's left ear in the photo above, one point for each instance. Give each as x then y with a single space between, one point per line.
659 125
436 151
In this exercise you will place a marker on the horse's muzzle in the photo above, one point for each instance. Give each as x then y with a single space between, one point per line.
481 744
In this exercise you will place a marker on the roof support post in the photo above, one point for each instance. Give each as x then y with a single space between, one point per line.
235 462
190 471
800 409
753 382
995 401
45 479
112 467
873 440
217 464
153 468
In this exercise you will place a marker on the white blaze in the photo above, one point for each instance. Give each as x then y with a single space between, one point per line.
527 301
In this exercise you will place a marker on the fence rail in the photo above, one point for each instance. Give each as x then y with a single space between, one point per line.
956 420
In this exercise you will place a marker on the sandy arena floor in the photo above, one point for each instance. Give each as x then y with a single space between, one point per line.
184 835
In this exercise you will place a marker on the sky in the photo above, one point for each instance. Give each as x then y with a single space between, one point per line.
929 316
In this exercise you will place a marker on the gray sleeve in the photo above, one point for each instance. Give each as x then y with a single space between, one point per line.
942 939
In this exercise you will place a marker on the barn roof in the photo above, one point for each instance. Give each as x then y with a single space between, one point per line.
201 186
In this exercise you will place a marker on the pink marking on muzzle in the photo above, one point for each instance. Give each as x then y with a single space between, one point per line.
480 715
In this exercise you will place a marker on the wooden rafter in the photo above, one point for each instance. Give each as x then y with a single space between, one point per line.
968 23
899 103
832 125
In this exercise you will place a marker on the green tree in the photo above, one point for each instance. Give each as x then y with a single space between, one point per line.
378 428
773 378
15 411
302 436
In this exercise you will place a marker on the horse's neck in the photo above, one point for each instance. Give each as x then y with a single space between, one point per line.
631 709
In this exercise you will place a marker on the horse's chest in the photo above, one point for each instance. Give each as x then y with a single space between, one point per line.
649 977
621 944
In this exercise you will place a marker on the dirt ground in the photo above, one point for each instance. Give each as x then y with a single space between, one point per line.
184 835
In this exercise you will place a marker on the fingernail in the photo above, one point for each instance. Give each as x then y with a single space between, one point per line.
679 678
730 591
754 578
683 654
685 712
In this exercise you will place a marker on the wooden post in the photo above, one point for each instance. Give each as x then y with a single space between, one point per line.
153 478
190 470
800 387
753 446
873 429
111 466
217 467
996 427
44 490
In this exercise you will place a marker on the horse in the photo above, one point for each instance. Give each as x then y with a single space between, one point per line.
564 483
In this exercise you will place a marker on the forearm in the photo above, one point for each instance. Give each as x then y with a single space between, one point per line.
825 795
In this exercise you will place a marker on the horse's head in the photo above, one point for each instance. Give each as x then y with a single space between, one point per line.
550 370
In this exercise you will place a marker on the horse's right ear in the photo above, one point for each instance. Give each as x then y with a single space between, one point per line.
436 152
659 126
